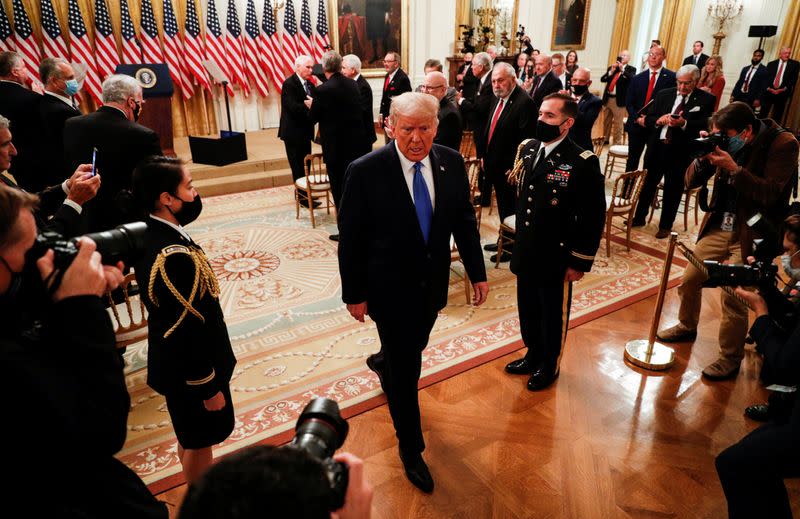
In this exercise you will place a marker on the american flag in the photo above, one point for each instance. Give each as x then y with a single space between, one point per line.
256 73
215 44
104 42
269 47
26 44
173 51
151 47
305 36
323 41
233 44
131 51
52 40
6 34
193 46
82 51
289 48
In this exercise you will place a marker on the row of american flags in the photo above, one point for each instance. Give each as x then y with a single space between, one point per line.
252 58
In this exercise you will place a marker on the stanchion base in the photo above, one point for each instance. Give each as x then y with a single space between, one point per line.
660 358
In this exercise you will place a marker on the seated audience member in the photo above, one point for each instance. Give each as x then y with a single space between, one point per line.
589 106
265 481
752 82
55 107
351 67
571 63
712 78
617 79
67 403
544 83
19 105
121 144
449 131
520 66
435 65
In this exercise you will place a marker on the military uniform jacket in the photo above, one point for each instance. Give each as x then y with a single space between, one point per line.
189 349
560 211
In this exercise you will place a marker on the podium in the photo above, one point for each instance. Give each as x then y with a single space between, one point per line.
157 89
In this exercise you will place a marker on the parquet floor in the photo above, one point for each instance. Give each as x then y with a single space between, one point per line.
606 441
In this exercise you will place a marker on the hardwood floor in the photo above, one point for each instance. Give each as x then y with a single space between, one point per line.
606 441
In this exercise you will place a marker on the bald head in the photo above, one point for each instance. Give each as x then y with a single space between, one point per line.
543 63
435 84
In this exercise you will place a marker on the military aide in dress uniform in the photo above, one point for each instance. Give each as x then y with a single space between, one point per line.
190 360
559 220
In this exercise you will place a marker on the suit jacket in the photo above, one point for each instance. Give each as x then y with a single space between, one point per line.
790 72
21 106
450 128
755 88
469 85
517 122
621 88
549 84
701 60
53 113
589 107
53 214
400 84
698 108
366 111
637 92
477 111
381 246
337 107
196 356
121 144
296 123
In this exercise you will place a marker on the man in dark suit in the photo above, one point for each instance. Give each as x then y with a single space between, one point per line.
781 80
401 205
617 78
463 70
449 130
697 58
559 220
475 109
643 89
434 65
395 83
752 82
121 144
351 68
675 119
20 106
589 106
544 83
55 107
296 128
512 120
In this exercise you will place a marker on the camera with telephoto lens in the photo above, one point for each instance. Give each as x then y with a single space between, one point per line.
762 272
319 431
704 145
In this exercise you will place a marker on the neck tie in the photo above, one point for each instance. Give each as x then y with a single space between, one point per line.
777 82
386 82
495 117
539 158
614 80
746 86
678 111
422 201
650 87
695 59
307 88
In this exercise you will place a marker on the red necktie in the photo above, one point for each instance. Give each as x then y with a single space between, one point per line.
746 86
650 87
386 83
777 82
495 117
614 81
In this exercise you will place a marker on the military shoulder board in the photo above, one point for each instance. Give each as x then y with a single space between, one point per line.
586 154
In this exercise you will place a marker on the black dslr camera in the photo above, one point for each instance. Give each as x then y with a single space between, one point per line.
761 273
321 430
125 243
704 145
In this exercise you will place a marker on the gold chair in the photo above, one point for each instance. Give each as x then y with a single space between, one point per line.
473 170
313 186
134 314
687 204
622 202
505 236
467 145
598 143
616 160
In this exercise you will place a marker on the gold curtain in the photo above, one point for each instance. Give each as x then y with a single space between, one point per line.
672 32
790 37
621 34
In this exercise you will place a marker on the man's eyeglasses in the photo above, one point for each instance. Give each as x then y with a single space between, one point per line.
430 87
390 61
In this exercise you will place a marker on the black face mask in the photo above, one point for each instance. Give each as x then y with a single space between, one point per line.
547 132
579 90
137 111
189 210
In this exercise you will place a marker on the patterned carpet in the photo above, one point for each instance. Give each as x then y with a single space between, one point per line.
294 339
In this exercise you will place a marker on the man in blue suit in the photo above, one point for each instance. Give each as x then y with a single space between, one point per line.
752 81
644 88
400 207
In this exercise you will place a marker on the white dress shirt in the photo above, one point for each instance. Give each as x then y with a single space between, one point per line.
66 100
408 172
678 97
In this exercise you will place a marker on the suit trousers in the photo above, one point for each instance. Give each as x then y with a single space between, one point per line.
544 306
637 140
668 162
336 171
403 338
752 472
296 151
506 194
774 102
616 115
716 245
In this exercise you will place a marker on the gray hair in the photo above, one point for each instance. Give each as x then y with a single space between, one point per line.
505 67
483 59
331 61
302 58
689 69
119 87
352 61
5 124
8 60
415 104
48 68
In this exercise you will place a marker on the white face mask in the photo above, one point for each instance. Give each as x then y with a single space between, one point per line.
792 272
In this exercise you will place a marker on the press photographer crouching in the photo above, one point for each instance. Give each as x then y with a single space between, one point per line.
754 163
66 404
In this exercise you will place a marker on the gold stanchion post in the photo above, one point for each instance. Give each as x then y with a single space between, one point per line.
647 353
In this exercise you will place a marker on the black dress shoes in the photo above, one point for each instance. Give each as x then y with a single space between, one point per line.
375 363
304 203
519 367
541 378
758 412
334 237
503 257
417 471
491 247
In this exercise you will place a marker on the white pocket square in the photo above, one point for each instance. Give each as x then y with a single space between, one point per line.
695 109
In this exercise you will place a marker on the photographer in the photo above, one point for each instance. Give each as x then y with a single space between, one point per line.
266 481
755 175
752 471
66 402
